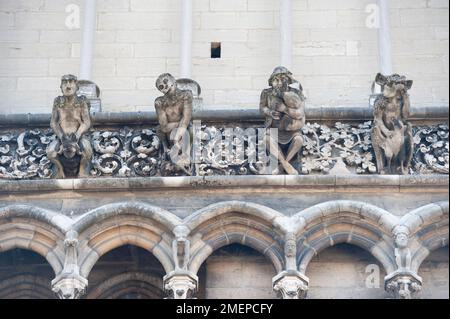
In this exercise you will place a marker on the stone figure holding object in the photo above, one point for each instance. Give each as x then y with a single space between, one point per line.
174 111
392 135
71 151
284 109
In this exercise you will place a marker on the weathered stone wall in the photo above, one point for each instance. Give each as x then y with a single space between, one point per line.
250 211
335 53
339 272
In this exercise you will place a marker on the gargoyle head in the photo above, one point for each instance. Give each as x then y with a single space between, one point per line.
393 85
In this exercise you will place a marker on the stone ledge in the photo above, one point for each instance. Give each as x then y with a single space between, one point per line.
394 182
323 113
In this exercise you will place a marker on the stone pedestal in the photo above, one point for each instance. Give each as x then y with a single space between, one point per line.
180 285
291 284
403 284
69 286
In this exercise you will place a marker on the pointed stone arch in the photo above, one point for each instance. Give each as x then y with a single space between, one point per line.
35 229
26 286
327 224
115 225
429 229
225 223
147 285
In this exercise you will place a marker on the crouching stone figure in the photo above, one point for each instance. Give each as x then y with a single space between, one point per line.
392 135
71 151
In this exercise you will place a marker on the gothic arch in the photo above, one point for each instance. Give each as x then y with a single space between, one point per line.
225 223
114 225
429 227
36 229
26 286
357 223
144 284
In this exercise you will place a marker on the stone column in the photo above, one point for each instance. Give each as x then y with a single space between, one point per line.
384 38
69 284
286 33
291 284
403 284
180 284
88 40
186 39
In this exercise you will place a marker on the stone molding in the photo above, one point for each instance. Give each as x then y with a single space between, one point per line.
393 183
322 113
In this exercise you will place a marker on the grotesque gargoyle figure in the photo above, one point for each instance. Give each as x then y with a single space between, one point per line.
284 109
71 151
392 135
174 111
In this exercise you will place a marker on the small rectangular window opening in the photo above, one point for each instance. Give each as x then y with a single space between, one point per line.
215 50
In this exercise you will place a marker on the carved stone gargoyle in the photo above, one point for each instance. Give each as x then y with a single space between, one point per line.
71 151
392 138
174 111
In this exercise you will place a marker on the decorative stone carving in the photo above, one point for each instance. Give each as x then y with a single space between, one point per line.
174 111
403 285
22 155
71 151
402 252
180 285
344 144
431 152
291 284
290 251
69 284
70 287
228 151
284 109
180 247
392 134
126 152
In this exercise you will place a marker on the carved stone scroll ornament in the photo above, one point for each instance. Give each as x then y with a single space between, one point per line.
392 134
22 155
128 152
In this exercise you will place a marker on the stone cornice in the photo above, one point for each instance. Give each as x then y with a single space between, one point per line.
392 183
222 114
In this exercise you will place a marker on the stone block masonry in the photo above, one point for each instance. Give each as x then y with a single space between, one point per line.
136 40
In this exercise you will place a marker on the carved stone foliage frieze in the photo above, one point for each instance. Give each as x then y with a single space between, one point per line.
431 149
137 151
342 149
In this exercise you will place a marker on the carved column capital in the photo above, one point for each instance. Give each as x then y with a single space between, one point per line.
69 286
403 285
291 284
180 285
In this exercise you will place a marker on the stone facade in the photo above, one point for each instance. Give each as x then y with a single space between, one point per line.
103 205
138 39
